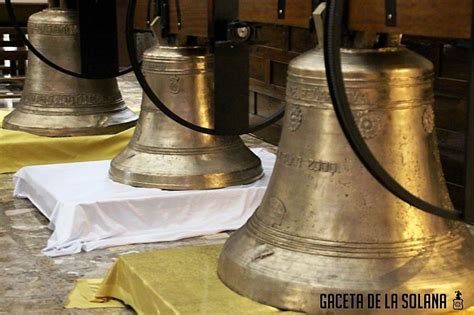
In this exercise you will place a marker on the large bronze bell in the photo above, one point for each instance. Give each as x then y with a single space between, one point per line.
325 224
166 155
55 104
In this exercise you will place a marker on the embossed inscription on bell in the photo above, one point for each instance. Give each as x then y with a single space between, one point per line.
164 154
325 225
55 104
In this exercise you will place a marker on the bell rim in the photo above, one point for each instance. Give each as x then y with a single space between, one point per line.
287 293
85 130
190 182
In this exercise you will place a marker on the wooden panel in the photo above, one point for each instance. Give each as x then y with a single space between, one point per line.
273 54
274 36
298 12
457 195
437 18
278 73
270 134
450 113
301 40
121 42
433 18
266 89
257 68
196 18
22 11
141 12
268 105
453 63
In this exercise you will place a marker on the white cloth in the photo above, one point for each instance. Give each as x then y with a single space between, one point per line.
87 210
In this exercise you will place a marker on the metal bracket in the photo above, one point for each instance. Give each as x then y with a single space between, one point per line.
178 15
391 12
281 9
98 36
164 12
231 63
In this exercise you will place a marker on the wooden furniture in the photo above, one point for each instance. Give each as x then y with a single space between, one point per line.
434 18
12 48
15 53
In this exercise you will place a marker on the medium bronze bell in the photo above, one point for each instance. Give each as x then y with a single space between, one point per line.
325 225
166 155
55 104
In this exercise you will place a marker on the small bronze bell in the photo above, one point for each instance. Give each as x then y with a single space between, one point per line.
325 225
166 155
55 104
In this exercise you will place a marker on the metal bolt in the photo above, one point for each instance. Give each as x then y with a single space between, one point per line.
390 16
280 11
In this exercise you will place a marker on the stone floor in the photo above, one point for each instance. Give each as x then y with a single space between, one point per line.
31 283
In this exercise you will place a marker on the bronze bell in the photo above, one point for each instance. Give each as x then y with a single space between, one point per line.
325 225
55 104
163 154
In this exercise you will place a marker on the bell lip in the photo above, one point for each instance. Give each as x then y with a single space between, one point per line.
266 288
73 132
208 176
193 182
88 130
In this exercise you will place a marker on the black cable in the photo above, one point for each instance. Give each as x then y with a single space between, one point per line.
148 14
178 14
132 51
332 59
40 56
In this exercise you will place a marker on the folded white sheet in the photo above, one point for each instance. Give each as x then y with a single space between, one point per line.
87 210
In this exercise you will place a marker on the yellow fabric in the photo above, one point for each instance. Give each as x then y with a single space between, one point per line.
19 149
176 281
83 296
